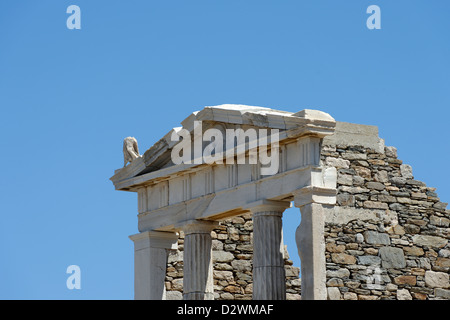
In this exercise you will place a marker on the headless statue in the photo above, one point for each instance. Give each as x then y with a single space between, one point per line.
130 150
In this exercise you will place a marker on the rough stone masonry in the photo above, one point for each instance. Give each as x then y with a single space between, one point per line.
387 237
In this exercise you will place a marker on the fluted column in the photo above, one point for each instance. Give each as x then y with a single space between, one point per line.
269 281
310 239
197 256
150 261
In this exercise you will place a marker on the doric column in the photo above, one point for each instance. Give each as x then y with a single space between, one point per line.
197 257
269 281
310 239
150 261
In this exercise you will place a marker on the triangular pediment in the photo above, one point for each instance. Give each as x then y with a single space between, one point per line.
158 157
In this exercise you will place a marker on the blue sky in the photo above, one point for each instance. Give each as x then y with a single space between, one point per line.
69 97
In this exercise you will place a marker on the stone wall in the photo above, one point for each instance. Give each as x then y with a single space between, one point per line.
386 238
232 259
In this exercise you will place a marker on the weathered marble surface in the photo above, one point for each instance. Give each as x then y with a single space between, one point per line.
130 150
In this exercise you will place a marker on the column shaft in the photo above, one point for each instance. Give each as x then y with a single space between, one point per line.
150 261
310 240
197 256
269 280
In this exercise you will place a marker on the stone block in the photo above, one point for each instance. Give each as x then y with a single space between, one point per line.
443 262
362 163
222 256
403 294
440 205
390 152
229 246
226 296
223 275
375 205
293 296
439 221
177 284
397 207
350 296
392 257
217 245
292 271
358 181
371 251
233 233
412 229
445 253
398 180
416 183
369 260
337 163
353 190
343 258
345 200
402 280
424 263
417 222
381 176
175 256
333 293
241 265
406 171
335 282
353 284
398 229
222 236
345 179
413 251
296 282
386 198
419 296
354 156
243 276
419 196
245 247
374 237
332 247
233 289
377 162
437 279
391 287
359 238
375 185
417 271
222 266
363 172
430 241
340 273
368 297
400 193
442 293
174 295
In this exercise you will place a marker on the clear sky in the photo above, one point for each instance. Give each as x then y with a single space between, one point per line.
138 68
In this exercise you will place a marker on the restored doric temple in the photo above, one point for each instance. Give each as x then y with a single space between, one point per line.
211 196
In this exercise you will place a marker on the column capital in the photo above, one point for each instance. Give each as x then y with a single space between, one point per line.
261 206
197 226
313 194
155 239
